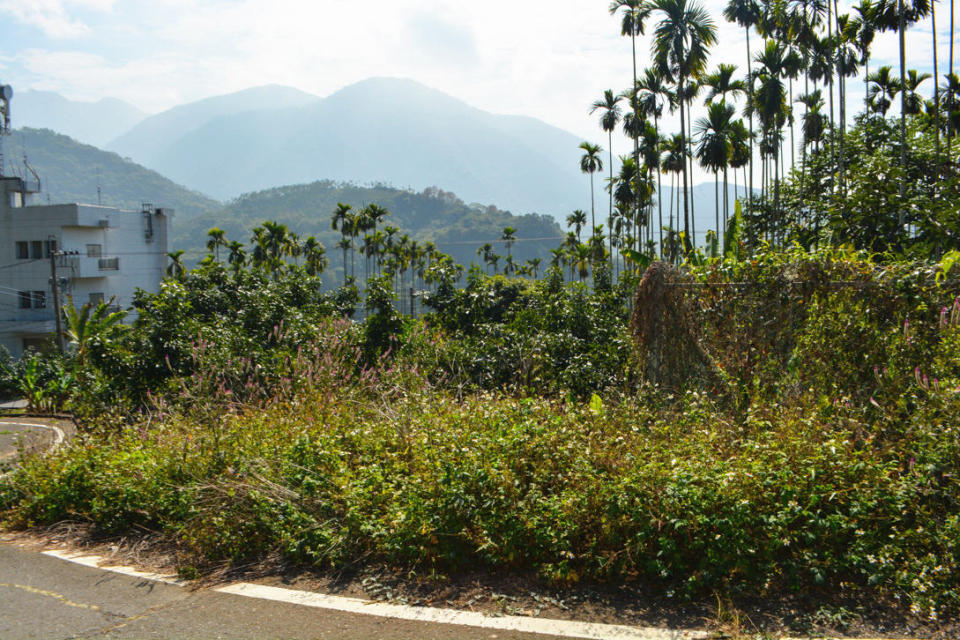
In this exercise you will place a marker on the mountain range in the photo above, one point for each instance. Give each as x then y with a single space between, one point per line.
71 171
383 130
95 123
396 136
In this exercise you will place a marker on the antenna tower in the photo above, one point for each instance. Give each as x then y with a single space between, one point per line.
6 93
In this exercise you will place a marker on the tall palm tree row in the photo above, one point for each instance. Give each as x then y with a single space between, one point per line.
680 48
610 117
809 39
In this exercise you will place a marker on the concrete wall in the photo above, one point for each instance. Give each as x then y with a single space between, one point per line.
120 235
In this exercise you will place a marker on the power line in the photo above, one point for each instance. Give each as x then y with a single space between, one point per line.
21 262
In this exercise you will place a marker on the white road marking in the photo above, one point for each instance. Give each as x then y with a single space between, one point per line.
560 628
58 436
57 431
99 562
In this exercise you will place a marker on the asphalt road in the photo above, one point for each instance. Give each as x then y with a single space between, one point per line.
30 435
47 598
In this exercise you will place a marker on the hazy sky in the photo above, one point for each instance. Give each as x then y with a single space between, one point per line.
549 60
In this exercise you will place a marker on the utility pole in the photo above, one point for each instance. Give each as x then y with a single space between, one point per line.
55 283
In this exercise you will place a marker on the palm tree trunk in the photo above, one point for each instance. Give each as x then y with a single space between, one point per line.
803 141
656 127
693 208
673 193
610 185
726 202
842 78
750 87
776 191
633 105
716 203
950 104
936 86
829 80
593 216
683 150
793 144
901 214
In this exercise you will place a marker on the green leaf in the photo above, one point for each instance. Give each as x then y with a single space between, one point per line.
596 404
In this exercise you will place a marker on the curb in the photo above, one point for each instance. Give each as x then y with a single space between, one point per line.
432 615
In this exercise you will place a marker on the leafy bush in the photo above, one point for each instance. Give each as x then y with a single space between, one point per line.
542 337
7 378
45 380
506 430
387 470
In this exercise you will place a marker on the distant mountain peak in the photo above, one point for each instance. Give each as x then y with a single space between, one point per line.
382 129
90 122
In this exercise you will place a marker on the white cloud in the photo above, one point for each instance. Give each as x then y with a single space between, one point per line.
548 61
50 16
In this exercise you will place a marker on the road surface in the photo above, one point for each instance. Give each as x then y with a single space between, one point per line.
45 597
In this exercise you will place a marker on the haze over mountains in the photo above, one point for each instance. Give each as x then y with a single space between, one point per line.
380 131
153 137
71 172
95 123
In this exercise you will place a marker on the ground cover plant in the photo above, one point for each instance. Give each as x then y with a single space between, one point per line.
821 458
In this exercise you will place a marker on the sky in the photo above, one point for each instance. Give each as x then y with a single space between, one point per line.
546 60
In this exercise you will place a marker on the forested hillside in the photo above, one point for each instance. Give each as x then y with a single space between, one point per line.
71 171
457 228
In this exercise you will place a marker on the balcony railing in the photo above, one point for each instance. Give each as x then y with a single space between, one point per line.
108 264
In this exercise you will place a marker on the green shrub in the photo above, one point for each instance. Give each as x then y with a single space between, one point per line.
684 497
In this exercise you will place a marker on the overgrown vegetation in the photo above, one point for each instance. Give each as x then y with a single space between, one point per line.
515 427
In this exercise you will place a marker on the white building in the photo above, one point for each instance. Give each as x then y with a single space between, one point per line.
111 254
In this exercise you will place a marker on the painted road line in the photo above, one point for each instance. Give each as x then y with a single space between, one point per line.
99 562
562 628
57 431
58 438
559 628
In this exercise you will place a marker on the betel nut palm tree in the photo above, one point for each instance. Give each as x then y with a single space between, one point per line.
714 147
508 237
92 324
654 95
577 220
175 269
896 15
633 14
882 88
590 163
217 238
680 47
746 13
610 115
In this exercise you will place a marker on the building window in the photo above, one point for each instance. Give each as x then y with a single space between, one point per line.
36 249
95 299
94 250
24 297
39 299
23 250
